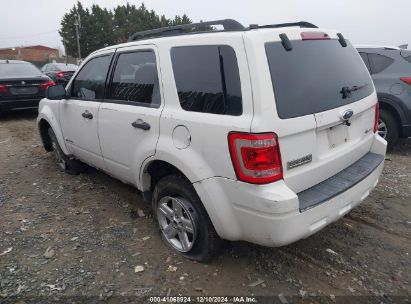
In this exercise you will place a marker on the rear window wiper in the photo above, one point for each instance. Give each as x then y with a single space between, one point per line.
346 91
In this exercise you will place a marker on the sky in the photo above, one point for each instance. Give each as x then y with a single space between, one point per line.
30 22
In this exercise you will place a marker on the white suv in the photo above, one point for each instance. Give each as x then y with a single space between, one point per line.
264 134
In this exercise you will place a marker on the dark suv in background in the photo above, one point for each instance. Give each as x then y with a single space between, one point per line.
390 68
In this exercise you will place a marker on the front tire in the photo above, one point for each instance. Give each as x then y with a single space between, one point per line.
183 220
388 128
66 164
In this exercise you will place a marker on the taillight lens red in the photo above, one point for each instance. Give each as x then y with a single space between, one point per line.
407 80
256 157
60 74
377 115
47 84
3 88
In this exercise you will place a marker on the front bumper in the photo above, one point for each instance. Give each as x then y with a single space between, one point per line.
270 214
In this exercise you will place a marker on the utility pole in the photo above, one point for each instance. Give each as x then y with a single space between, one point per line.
65 51
77 25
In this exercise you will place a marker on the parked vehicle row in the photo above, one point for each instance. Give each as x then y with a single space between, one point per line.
222 132
22 84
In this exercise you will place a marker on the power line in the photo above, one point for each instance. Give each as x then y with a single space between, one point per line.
27 36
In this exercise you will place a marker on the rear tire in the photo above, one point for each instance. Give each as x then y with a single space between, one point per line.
66 164
388 128
182 218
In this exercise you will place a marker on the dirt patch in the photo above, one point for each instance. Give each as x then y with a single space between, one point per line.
95 237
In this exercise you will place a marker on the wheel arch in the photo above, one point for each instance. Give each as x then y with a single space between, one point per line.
46 119
391 104
43 126
155 169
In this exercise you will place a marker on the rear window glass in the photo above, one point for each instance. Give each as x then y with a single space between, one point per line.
310 78
379 62
207 79
18 70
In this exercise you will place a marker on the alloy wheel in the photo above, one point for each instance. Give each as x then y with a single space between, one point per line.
382 128
176 223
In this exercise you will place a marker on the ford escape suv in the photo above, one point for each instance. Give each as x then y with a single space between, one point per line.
390 68
264 134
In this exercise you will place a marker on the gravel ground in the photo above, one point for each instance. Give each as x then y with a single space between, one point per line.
70 236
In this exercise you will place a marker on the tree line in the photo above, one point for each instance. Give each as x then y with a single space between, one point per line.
100 27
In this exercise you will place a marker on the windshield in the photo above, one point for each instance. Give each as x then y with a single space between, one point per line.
316 76
10 70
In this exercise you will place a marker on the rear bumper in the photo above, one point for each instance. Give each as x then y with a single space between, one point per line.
270 215
20 104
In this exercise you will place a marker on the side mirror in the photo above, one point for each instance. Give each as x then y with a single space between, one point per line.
56 92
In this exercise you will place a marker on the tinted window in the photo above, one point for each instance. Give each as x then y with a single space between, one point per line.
379 62
18 70
364 57
207 79
135 78
89 82
406 54
310 78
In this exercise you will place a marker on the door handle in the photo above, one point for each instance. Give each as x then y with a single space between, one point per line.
87 115
141 124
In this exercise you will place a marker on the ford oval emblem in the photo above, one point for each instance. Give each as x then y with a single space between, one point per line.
347 114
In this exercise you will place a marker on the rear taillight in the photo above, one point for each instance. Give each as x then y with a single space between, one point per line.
407 80
256 157
377 115
3 88
47 84
60 74
314 36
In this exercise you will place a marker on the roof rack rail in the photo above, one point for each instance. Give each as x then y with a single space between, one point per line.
229 25
300 24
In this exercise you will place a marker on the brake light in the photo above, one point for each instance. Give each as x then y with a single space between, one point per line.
407 80
377 115
60 75
256 157
45 85
3 88
314 36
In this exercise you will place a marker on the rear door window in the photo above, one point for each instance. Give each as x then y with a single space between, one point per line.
207 79
90 82
312 76
379 62
135 79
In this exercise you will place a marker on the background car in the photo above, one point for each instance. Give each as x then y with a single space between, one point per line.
59 72
22 85
390 68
